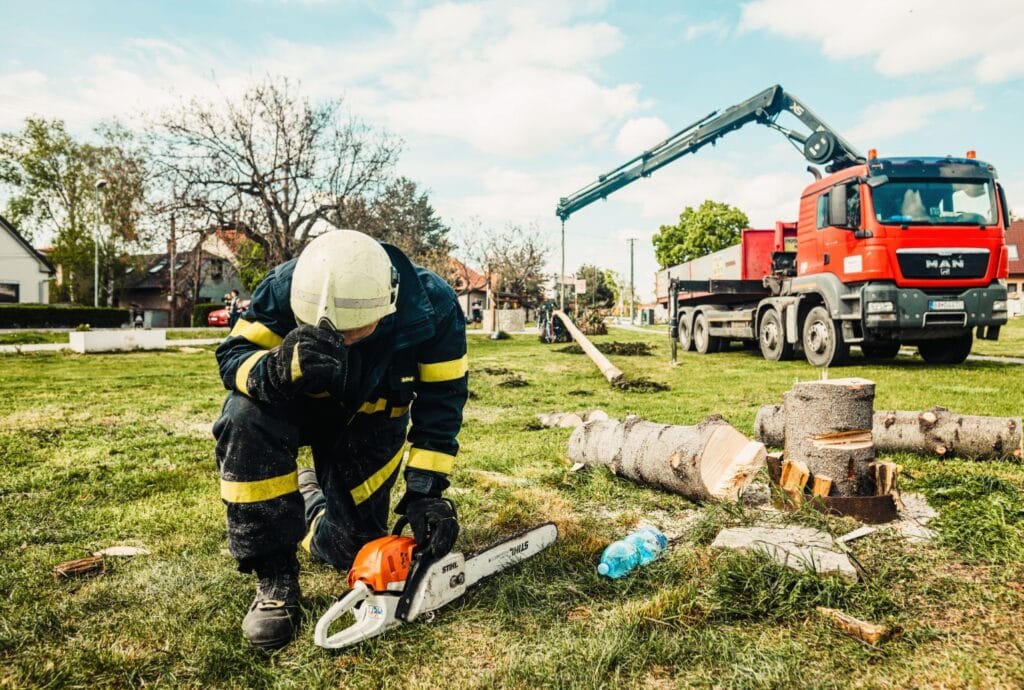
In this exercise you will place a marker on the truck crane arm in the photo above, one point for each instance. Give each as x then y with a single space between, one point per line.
822 146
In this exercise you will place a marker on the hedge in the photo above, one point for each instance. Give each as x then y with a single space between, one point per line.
202 310
59 316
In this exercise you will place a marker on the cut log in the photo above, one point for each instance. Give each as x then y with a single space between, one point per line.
608 370
711 461
869 633
828 427
821 485
936 432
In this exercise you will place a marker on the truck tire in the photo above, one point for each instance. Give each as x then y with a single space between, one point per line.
771 337
685 334
947 350
703 342
887 350
823 341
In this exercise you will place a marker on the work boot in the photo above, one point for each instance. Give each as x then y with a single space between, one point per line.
273 618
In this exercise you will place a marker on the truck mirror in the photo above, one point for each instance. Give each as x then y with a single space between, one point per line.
837 213
1004 208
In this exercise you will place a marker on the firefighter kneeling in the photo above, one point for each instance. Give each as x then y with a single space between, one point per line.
339 350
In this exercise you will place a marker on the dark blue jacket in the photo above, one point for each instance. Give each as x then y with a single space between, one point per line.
419 352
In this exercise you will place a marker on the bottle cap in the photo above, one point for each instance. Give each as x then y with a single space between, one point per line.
602 568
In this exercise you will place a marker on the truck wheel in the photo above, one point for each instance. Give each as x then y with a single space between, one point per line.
772 338
823 339
880 350
703 341
685 334
947 350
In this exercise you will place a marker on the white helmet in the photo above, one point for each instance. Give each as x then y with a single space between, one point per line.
343 279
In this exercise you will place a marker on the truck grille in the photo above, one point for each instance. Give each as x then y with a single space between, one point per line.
942 264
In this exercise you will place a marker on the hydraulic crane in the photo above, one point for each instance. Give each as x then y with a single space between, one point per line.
822 146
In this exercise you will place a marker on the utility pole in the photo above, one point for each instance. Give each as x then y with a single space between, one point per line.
100 184
561 284
171 254
632 287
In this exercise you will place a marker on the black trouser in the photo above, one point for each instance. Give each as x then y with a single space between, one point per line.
356 464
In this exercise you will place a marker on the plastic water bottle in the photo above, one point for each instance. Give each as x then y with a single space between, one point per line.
618 559
648 542
639 548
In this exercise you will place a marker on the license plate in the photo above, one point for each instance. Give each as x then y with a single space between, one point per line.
946 305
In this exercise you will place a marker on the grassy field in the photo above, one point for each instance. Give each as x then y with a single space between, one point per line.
104 450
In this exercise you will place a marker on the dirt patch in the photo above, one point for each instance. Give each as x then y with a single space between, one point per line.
640 385
514 381
637 349
494 371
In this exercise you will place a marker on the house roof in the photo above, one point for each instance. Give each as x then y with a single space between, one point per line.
32 251
467 280
1015 236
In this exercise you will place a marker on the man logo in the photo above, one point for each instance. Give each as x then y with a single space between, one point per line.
944 265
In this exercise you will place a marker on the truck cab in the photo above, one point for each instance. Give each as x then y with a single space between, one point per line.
906 251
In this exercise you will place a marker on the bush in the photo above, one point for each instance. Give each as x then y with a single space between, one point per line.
60 316
202 310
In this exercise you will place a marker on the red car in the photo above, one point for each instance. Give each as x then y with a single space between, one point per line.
219 317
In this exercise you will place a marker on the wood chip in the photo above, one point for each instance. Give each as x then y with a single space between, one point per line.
122 551
868 633
90 566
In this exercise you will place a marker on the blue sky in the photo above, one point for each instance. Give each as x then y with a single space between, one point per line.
504 107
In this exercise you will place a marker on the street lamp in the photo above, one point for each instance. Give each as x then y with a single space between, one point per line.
100 184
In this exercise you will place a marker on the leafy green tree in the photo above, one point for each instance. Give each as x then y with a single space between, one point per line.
709 228
598 293
52 178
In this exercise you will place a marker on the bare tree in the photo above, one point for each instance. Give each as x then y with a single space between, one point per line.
271 164
512 259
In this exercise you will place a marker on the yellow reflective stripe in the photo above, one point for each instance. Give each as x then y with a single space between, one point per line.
260 490
256 333
374 407
308 539
399 411
431 460
242 375
444 371
366 489
296 368
322 394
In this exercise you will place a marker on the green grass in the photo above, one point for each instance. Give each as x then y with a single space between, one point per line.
100 450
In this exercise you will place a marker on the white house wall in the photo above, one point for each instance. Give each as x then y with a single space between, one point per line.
18 266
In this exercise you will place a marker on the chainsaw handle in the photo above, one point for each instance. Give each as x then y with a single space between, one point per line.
373 614
400 524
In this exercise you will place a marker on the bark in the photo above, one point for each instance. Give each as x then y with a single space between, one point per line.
608 370
711 461
936 432
828 427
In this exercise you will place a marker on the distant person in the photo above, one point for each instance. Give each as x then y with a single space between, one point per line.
478 312
234 308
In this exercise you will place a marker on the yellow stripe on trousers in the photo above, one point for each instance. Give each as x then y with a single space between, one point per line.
260 490
378 478
308 539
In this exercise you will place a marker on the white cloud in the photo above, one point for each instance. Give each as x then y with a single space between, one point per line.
639 134
887 119
717 29
903 38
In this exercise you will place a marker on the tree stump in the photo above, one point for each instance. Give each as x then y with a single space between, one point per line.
828 427
708 462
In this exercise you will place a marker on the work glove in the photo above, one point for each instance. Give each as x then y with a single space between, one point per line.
434 522
309 360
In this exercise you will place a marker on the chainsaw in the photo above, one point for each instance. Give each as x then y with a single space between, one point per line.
392 583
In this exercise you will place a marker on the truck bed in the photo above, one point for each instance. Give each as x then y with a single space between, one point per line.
716 291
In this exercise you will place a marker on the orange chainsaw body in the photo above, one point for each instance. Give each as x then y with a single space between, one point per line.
382 562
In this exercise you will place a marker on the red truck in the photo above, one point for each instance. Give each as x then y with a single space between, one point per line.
888 252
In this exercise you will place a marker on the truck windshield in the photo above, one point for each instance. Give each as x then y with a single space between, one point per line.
934 202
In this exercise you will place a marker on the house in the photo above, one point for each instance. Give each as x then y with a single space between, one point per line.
1015 281
25 274
202 274
470 286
